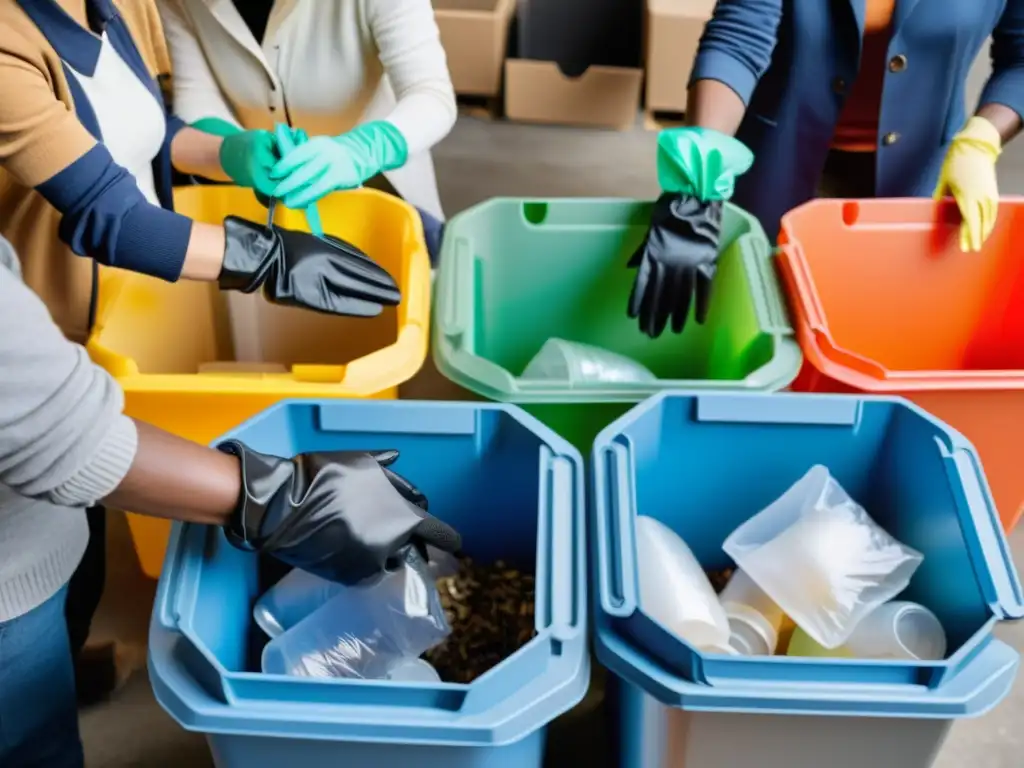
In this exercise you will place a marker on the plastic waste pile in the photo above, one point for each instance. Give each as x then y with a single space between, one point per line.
435 618
815 576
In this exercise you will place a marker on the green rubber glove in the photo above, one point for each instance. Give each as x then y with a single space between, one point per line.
247 158
216 126
324 164
701 162
288 139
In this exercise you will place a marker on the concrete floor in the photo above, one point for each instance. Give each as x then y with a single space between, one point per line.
479 160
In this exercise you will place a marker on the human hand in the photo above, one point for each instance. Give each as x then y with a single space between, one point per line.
343 515
969 175
301 270
676 263
325 164
247 157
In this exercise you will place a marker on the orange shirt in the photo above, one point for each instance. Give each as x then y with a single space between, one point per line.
857 130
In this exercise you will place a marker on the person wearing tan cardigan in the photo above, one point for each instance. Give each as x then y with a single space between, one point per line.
86 152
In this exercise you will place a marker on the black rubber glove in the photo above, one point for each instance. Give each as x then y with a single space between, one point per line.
676 263
341 515
297 269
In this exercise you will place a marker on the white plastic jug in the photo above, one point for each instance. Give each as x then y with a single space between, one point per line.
675 591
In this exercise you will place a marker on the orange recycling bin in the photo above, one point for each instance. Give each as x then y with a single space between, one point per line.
198 362
883 301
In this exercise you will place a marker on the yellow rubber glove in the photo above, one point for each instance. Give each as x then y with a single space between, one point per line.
969 175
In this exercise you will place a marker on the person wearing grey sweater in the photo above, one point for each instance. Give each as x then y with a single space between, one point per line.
65 444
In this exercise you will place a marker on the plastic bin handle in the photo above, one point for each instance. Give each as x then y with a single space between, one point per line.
615 518
986 543
559 502
846 358
794 264
167 588
459 291
775 320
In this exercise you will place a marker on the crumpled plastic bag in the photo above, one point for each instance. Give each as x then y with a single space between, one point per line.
300 593
819 555
363 632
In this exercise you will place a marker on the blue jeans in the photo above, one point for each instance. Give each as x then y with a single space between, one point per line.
38 710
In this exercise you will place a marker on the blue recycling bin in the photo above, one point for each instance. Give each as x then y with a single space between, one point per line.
702 464
515 492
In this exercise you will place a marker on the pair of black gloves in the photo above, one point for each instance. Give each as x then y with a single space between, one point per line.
342 515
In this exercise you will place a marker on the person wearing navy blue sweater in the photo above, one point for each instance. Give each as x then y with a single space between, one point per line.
86 154
862 98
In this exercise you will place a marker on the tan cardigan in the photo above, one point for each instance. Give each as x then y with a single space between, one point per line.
40 136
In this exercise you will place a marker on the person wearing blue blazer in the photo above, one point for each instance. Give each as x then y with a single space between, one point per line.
862 98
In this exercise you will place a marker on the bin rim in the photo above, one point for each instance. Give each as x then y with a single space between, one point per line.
613 510
378 371
810 322
978 690
185 698
193 700
490 380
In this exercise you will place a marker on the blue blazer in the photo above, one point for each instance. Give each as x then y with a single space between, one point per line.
792 60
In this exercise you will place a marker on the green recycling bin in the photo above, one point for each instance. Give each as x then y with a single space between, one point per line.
515 273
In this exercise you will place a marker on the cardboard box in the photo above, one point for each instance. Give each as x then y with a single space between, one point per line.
674 28
602 97
474 34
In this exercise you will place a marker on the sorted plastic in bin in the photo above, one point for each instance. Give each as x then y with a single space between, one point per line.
363 632
675 590
896 630
300 593
820 556
755 620
561 360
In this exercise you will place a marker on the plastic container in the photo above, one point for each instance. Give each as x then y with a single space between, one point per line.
515 273
291 600
170 347
896 630
582 364
884 302
674 588
755 620
364 631
702 464
511 487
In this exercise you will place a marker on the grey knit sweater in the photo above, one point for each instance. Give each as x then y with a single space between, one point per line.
64 444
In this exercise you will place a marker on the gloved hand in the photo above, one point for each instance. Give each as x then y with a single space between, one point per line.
341 515
216 126
324 164
297 269
677 260
969 175
247 158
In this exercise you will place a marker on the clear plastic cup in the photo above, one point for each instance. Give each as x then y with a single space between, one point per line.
896 630
561 360
291 600
674 590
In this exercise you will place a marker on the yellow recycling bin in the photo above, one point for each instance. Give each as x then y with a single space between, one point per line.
197 362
